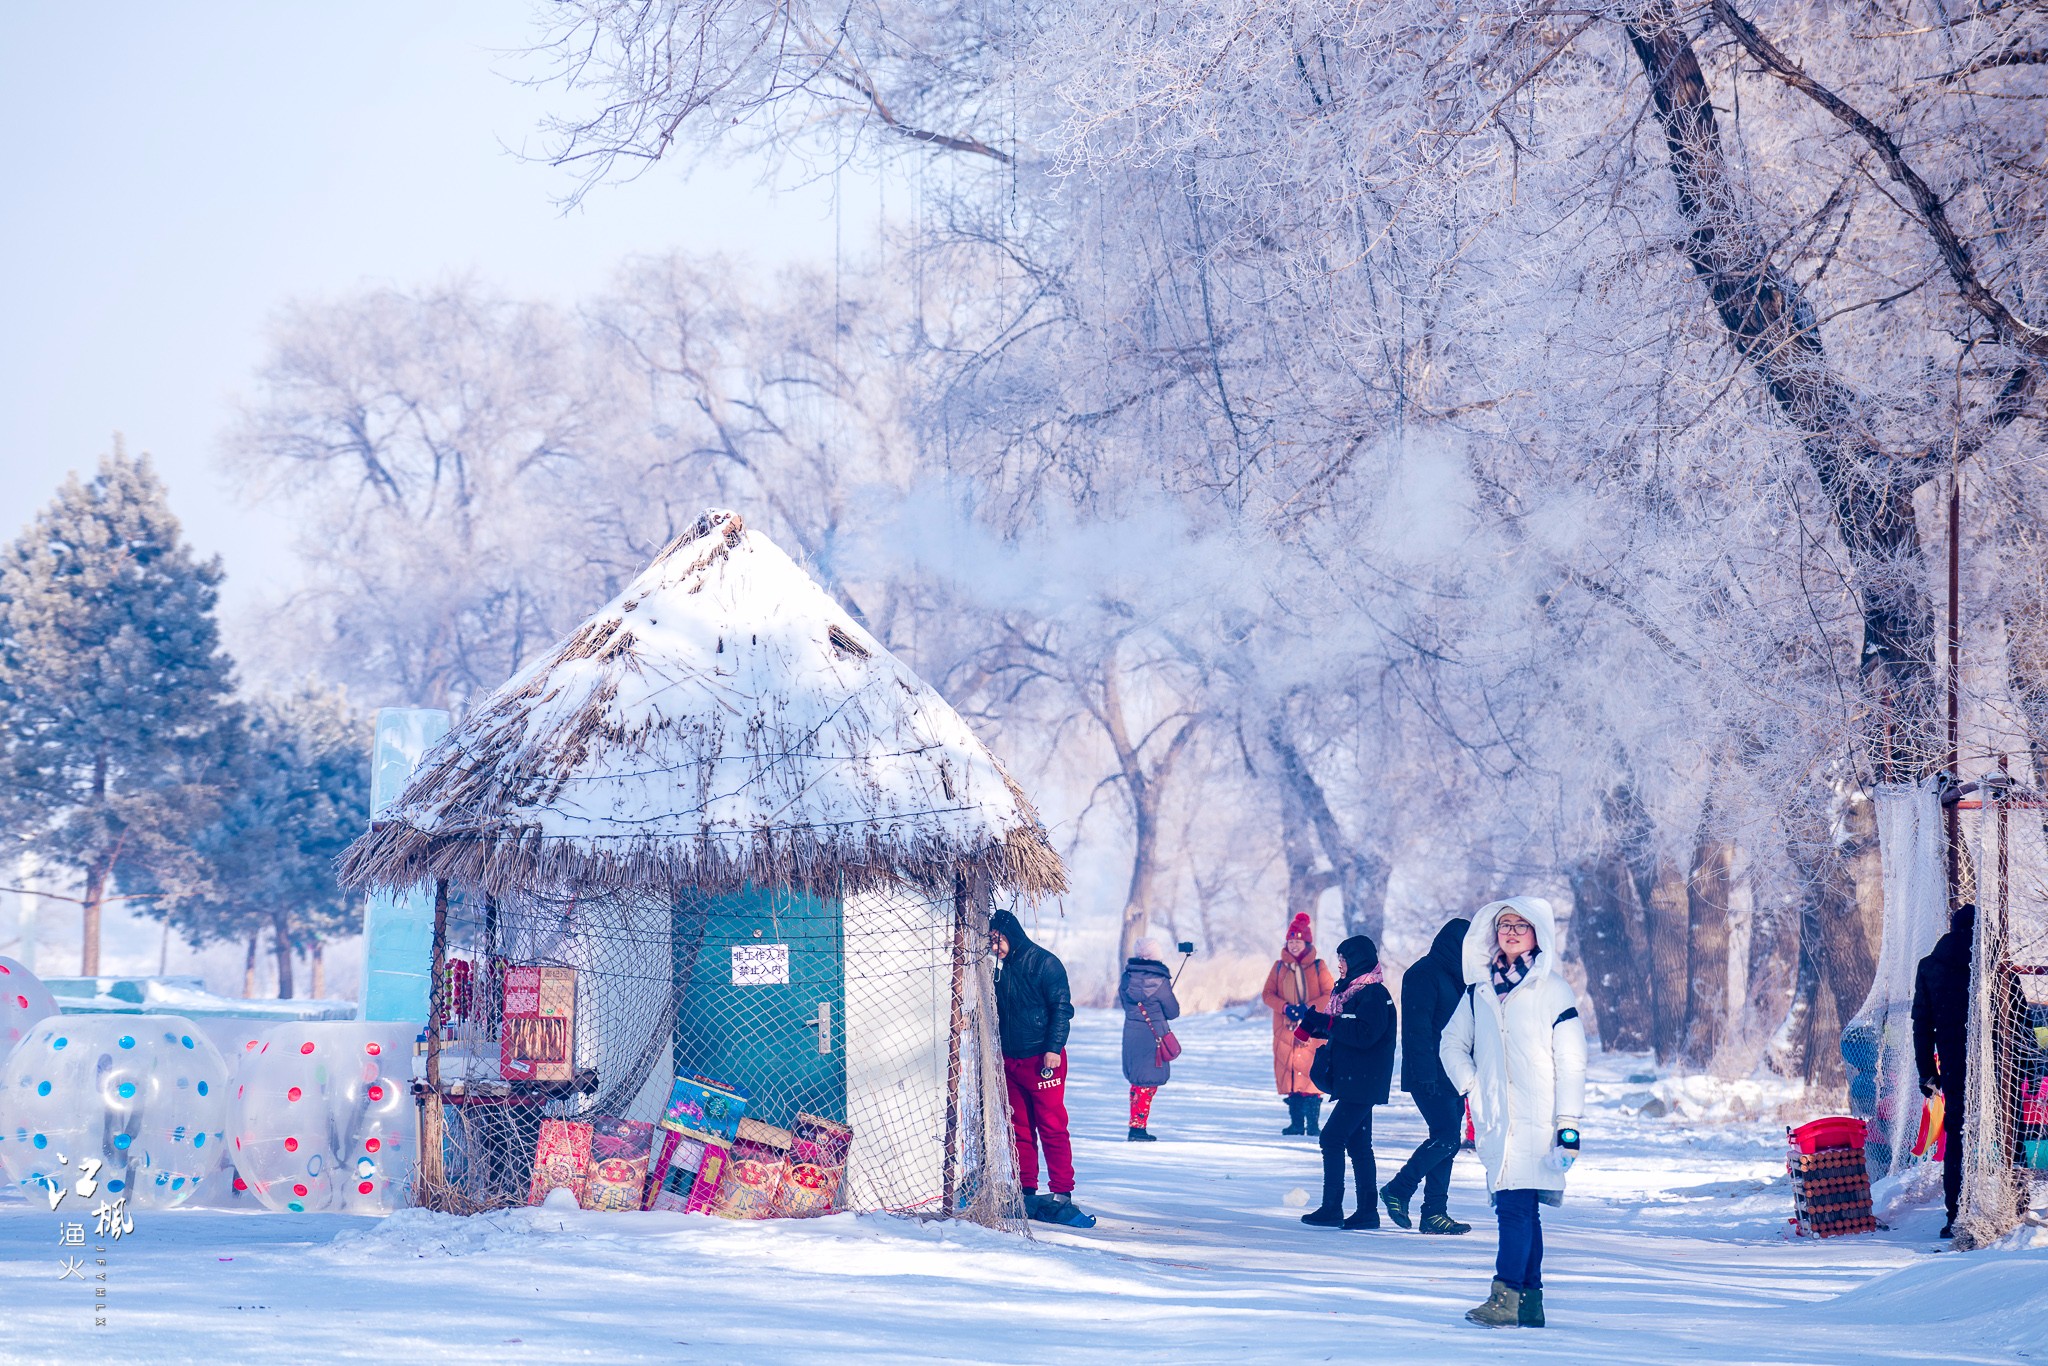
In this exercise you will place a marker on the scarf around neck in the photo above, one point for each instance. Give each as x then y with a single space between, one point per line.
1508 975
1350 989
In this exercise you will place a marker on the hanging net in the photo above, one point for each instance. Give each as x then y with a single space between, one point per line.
762 1053
1884 1082
2005 1121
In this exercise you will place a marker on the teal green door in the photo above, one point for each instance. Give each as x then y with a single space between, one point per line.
760 976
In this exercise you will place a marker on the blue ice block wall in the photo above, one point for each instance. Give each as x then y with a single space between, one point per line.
398 928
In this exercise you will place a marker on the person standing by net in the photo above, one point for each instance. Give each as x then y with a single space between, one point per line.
1146 994
1430 991
1515 1044
1942 1001
1034 1010
1299 978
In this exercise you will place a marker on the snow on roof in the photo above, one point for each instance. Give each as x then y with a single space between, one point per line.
722 721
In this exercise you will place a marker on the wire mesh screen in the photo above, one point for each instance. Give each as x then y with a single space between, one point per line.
2005 1122
759 1053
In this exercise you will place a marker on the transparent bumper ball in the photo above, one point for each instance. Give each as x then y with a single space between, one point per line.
124 1105
324 1118
24 1000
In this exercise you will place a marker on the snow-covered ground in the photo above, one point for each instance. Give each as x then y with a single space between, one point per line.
1672 1247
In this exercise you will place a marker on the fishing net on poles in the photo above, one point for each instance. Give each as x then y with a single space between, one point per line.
2005 1122
830 1052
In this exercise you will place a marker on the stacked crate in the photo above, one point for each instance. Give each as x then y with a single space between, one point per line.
1830 1182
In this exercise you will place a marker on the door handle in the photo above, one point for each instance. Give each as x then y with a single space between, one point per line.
823 1020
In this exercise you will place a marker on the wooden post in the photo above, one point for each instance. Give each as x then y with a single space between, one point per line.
955 1026
1952 811
430 1187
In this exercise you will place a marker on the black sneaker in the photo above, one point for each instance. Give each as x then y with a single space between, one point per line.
1443 1223
1397 1207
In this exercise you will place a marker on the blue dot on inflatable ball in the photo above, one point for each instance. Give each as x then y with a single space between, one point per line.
43 1088
122 1141
127 1090
42 1141
127 1041
202 1088
58 1043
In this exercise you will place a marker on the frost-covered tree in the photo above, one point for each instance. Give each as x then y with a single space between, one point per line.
298 793
113 689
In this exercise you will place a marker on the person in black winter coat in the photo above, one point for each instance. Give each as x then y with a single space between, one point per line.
1941 1024
1430 991
1145 992
1941 1038
1360 1026
1034 1010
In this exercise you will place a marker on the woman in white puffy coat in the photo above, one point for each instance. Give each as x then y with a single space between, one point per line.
1516 1047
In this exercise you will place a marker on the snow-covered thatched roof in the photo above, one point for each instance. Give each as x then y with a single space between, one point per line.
722 721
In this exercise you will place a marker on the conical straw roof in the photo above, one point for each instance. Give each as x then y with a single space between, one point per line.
722 721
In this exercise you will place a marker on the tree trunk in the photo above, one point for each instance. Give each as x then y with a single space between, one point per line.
318 953
1305 882
1832 929
1767 316
1361 875
89 917
1144 870
1790 1051
249 966
1706 1011
1668 919
1603 902
281 937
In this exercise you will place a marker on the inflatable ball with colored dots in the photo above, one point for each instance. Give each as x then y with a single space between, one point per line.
24 1003
143 1094
320 1124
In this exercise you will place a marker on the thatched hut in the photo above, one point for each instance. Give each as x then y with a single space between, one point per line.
765 849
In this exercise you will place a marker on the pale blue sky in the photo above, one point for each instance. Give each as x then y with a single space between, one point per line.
177 172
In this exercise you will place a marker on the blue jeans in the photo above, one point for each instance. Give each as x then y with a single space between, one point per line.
1519 1263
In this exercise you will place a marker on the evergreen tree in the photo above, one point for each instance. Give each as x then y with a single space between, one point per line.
113 689
298 792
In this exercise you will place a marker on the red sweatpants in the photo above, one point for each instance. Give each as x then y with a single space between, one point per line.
1038 1114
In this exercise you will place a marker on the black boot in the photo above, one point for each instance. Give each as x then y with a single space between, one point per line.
1325 1216
1139 1135
1312 1109
1296 1115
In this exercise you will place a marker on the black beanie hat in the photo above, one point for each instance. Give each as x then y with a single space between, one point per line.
1360 955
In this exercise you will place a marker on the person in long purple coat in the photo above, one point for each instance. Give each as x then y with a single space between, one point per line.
1146 994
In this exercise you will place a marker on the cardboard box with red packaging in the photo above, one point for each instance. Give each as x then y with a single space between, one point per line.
619 1153
561 1159
536 1042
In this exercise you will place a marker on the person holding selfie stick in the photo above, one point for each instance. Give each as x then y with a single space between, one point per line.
1146 994
1516 1046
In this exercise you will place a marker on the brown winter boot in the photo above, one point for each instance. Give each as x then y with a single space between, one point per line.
1503 1308
1531 1315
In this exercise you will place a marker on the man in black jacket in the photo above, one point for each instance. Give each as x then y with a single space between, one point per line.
1941 1033
1034 1010
1430 991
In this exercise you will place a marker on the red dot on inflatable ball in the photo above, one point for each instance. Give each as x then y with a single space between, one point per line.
367 1187
371 1145
373 1049
291 1145
298 1190
292 1094
305 1048
240 1184
376 1093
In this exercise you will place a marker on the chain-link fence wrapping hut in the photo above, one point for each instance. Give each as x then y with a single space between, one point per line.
752 846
